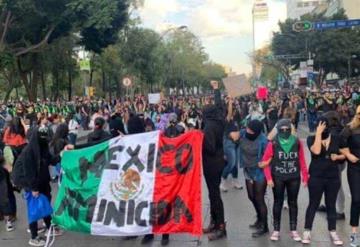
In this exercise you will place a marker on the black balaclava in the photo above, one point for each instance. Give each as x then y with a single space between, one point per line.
43 136
256 126
281 124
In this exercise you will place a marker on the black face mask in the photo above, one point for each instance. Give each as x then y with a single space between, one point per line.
251 137
325 135
285 134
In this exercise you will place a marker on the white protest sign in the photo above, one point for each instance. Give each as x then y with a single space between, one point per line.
154 98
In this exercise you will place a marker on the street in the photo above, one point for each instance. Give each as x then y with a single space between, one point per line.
238 212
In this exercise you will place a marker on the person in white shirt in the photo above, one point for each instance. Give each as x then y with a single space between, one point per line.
74 126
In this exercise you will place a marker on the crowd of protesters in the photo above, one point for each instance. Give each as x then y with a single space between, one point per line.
243 137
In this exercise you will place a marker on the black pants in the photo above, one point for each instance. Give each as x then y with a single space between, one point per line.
7 190
45 189
256 194
213 178
317 187
354 184
292 187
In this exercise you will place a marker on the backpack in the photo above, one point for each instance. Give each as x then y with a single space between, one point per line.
19 175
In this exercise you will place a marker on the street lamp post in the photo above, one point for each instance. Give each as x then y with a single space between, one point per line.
180 28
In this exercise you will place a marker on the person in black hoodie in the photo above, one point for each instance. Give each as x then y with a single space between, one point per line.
136 125
214 163
116 124
99 134
34 174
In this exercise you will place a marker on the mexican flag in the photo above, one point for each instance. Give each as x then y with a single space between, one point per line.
133 185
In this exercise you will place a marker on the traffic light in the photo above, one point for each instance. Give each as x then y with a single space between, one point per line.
302 26
91 91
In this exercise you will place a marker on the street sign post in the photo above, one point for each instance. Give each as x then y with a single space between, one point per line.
305 26
325 25
127 82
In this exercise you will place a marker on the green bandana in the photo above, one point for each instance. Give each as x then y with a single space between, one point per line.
287 144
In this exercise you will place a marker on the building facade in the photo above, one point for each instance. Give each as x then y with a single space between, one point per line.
351 7
298 8
261 24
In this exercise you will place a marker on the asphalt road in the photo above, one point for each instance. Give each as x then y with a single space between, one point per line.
238 212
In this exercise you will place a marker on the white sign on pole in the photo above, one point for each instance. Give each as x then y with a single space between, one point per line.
154 98
127 82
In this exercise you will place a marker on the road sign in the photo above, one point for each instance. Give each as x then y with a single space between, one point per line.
302 26
127 82
85 65
324 25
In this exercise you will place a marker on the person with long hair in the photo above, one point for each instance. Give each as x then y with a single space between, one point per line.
14 141
284 162
351 149
230 149
56 145
15 134
324 178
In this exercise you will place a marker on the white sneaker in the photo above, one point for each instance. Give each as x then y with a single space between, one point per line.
9 226
37 242
295 236
236 184
224 185
275 236
336 239
306 239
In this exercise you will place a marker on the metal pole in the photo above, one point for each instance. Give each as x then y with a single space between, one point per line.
349 69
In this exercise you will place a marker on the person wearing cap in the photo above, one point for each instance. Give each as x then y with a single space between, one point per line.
324 178
284 166
174 129
252 144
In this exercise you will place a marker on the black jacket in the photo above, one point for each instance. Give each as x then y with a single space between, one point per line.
31 169
213 117
97 136
116 125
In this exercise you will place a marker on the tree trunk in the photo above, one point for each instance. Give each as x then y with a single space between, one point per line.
91 77
55 85
7 95
103 78
43 86
70 84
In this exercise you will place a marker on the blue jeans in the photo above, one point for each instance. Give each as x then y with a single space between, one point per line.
312 120
230 152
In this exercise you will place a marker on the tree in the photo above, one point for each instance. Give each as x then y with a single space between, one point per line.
142 53
331 49
270 66
29 26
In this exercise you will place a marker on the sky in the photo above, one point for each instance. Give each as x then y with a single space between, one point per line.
224 26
